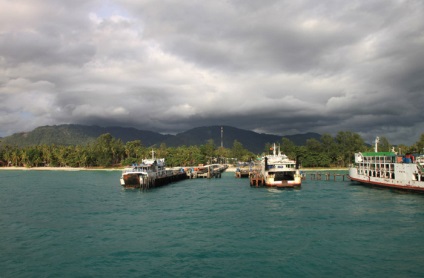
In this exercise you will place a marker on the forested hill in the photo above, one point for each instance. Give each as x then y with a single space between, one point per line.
253 141
81 134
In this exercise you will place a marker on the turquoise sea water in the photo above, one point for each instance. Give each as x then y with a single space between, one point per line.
83 224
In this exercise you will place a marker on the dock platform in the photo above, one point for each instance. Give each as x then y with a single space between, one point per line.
205 171
327 176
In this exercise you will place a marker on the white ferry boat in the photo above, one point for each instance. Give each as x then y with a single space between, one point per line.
388 169
279 171
145 174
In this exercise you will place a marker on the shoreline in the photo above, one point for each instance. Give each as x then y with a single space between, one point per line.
229 169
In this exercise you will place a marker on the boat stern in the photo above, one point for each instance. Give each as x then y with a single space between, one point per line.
284 180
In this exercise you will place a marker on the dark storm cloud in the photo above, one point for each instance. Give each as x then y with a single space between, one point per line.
272 66
271 35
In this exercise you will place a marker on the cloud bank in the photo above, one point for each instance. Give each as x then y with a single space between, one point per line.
280 67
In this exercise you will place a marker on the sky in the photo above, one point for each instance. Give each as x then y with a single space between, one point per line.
270 66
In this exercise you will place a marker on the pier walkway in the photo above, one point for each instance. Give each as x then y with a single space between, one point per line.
205 171
326 176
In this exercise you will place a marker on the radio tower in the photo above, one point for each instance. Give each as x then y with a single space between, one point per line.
222 136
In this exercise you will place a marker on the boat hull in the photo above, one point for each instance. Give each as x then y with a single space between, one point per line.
387 184
409 185
388 169
283 184
290 180
276 170
133 180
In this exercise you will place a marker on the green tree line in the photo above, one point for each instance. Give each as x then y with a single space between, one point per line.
107 151
338 151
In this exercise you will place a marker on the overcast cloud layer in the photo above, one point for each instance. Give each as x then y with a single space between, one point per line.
279 67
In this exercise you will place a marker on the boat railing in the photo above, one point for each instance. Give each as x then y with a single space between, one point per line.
137 169
420 168
166 173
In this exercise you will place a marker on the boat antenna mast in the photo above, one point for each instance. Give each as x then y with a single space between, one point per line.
377 140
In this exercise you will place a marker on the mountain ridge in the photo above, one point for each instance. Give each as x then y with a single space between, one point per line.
74 134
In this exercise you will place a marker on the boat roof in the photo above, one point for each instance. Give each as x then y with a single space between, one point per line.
378 154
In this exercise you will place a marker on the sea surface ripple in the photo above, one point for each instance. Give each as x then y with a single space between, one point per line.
83 224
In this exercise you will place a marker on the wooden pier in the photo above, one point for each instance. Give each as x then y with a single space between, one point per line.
243 172
181 173
256 179
327 176
205 171
160 181
150 182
